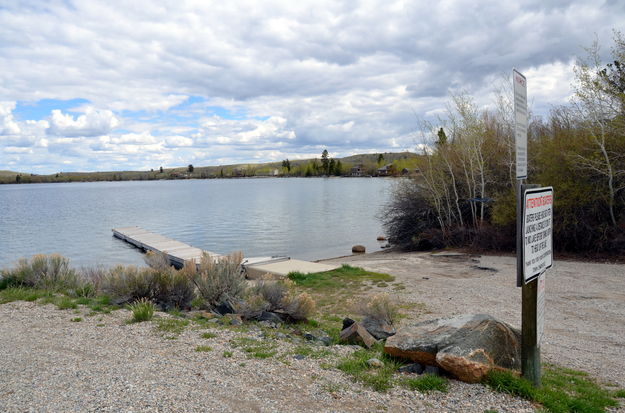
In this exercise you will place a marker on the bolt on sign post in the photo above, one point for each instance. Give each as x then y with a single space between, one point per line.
534 249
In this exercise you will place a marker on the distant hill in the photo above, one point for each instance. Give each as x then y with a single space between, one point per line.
369 163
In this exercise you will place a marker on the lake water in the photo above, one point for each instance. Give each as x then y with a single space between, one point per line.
302 218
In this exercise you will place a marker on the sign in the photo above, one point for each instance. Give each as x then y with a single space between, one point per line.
540 309
520 123
537 232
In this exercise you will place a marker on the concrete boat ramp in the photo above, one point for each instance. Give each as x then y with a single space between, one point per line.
178 253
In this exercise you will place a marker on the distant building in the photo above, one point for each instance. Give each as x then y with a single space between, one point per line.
386 170
356 170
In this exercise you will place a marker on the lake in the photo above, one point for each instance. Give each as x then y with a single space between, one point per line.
303 218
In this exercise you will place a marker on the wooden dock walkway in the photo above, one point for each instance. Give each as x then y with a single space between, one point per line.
177 252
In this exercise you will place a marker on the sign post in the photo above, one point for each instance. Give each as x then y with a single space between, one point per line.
534 248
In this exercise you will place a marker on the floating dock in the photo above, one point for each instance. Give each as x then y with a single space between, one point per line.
178 253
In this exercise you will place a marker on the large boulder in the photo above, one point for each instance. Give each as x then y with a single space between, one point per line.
379 329
467 346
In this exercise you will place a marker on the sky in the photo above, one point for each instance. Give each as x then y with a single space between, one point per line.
119 85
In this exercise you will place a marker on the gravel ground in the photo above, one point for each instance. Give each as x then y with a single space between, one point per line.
584 302
50 364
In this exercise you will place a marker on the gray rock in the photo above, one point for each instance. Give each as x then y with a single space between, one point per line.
375 363
435 371
299 357
347 322
319 337
270 317
412 368
467 346
377 328
357 334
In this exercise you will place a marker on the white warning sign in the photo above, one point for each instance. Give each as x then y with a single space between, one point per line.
537 232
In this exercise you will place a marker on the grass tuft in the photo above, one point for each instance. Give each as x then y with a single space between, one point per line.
563 390
76 319
227 354
201 349
426 383
209 335
142 310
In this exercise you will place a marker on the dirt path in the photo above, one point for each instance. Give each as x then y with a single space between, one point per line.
585 302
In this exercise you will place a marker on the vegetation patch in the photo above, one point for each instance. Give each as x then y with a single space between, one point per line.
22 294
202 349
425 383
142 310
379 379
562 390
313 352
209 335
255 348
171 325
335 279
76 319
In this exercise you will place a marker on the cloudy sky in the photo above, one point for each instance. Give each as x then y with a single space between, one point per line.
115 85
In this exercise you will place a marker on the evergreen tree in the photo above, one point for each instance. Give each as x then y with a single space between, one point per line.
325 162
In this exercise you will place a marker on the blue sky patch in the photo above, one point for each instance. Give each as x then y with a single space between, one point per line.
41 109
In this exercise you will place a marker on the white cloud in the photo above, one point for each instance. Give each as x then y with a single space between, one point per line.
93 123
8 126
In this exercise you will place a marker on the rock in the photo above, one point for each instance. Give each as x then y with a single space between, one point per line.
358 248
270 317
381 238
412 368
318 337
378 328
357 334
347 322
375 363
232 319
435 371
299 357
225 308
467 346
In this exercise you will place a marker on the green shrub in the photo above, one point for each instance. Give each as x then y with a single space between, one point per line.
142 310
300 307
251 307
272 292
218 280
167 288
48 272
379 307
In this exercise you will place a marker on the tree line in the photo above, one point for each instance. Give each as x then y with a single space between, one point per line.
465 194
